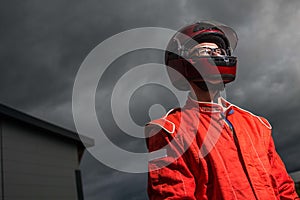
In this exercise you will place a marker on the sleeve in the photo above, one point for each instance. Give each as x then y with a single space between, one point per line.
284 184
169 177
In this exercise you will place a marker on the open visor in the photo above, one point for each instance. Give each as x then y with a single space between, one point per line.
189 35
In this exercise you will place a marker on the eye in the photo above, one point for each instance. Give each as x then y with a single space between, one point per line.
218 51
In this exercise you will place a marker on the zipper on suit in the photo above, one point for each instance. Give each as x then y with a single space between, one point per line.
237 144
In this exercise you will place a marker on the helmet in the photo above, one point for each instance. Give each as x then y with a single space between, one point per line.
202 68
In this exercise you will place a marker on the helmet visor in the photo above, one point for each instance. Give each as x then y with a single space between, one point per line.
187 39
229 33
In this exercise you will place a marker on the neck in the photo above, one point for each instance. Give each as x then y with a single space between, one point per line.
205 96
207 92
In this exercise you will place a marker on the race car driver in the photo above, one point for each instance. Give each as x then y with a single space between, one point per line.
212 149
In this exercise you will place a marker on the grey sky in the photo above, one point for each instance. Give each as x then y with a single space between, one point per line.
43 44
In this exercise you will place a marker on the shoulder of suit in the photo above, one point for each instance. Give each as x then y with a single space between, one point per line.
166 123
260 119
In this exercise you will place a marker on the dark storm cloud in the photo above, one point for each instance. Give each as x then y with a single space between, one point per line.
268 81
42 46
43 43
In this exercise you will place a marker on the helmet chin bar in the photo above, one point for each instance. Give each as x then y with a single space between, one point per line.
205 69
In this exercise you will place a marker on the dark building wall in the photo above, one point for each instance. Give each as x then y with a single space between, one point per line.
1 163
37 164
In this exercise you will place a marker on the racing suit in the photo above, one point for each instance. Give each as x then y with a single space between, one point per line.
214 151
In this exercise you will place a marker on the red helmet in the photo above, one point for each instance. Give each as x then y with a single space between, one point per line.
203 68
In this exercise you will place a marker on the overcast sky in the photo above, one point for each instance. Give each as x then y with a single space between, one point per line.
43 43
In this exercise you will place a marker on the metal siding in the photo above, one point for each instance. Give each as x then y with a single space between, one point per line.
37 165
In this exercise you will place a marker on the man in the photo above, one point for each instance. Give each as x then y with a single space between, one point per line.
210 148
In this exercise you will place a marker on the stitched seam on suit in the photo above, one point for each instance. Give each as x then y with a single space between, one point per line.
184 188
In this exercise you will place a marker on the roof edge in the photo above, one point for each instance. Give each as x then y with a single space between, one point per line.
21 116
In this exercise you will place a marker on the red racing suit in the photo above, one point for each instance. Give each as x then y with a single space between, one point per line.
214 152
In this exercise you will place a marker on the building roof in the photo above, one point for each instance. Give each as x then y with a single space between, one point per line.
295 176
23 117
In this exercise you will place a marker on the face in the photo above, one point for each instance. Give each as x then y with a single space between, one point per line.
206 49
203 50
